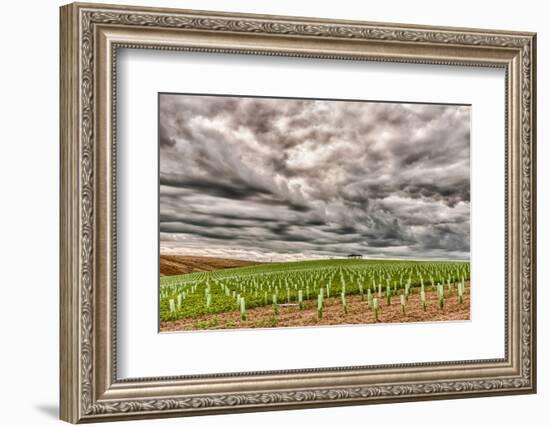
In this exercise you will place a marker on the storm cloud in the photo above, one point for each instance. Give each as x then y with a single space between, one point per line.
271 178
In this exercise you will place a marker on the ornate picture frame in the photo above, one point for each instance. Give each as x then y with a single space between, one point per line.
90 37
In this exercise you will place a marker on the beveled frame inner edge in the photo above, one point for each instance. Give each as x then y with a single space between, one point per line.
114 42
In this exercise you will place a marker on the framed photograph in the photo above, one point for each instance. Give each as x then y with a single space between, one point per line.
267 212
287 212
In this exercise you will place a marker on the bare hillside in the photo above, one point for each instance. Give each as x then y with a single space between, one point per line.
171 265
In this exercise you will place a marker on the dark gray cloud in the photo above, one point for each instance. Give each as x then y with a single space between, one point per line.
284 179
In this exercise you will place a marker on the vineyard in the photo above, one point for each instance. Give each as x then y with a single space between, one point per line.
311 287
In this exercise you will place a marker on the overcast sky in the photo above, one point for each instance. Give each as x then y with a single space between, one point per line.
282 179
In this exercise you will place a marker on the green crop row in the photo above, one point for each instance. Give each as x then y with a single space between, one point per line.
239 289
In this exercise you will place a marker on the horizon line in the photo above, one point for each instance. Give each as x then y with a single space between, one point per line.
365 258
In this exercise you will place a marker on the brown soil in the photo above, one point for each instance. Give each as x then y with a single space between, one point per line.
358 313
171 265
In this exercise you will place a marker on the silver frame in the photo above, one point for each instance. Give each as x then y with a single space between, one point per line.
90 37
